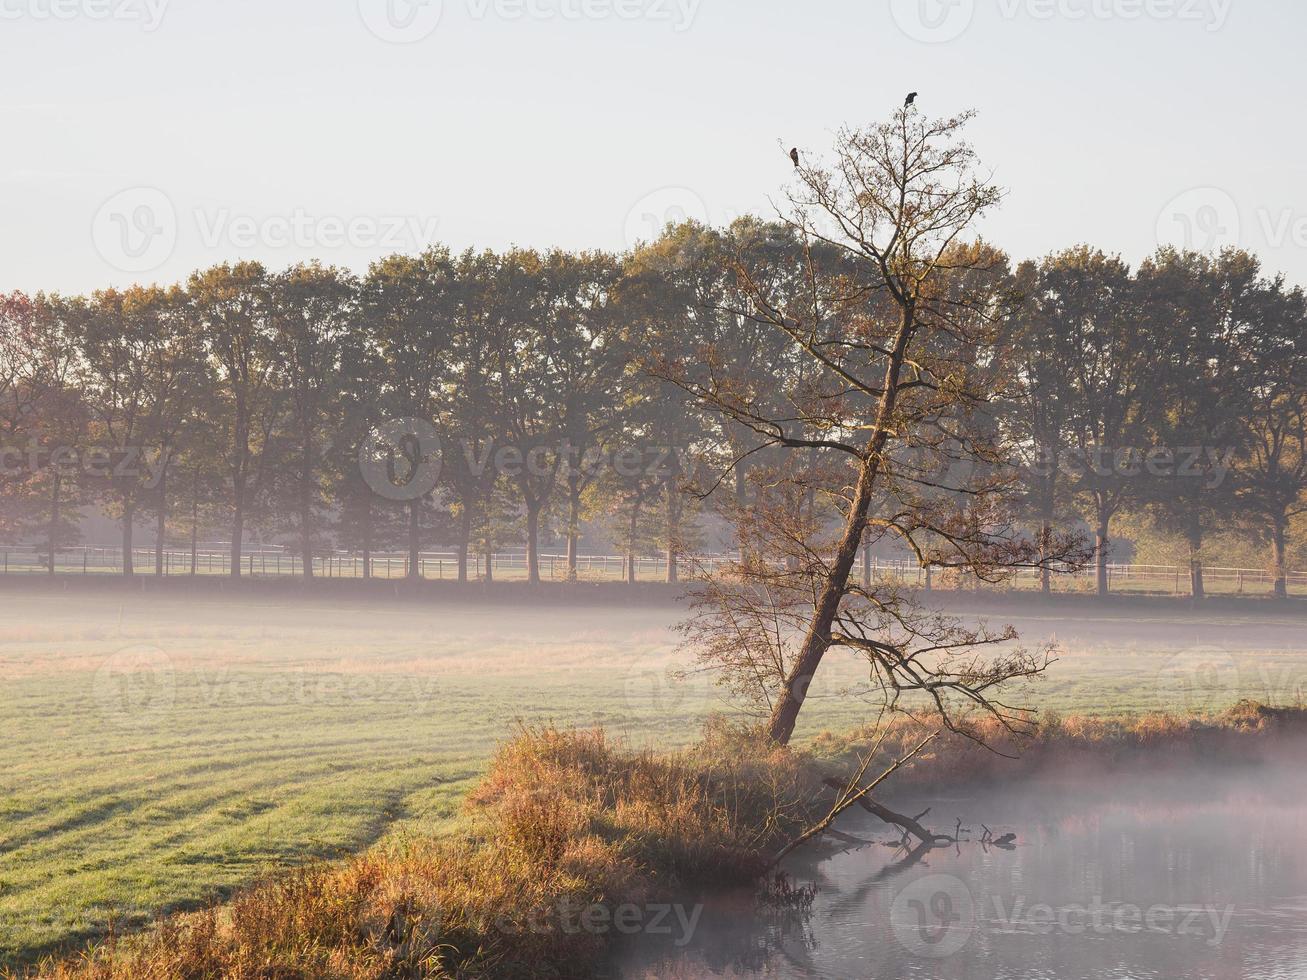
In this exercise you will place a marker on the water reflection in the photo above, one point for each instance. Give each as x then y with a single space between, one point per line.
1146 877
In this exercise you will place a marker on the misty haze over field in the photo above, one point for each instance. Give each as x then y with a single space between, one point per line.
527 489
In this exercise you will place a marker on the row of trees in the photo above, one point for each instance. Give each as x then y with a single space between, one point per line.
245 399
1178 392
242 399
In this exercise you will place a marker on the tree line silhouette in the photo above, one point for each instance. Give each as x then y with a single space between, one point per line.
241 401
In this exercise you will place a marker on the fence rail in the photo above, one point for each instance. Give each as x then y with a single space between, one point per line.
270 563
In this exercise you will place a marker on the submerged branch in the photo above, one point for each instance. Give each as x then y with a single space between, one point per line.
850 794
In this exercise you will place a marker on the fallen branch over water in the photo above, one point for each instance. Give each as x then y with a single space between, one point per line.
911 825
852 792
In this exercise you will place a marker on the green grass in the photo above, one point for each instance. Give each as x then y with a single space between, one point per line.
156 753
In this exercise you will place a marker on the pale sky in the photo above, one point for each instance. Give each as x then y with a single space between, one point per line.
145 138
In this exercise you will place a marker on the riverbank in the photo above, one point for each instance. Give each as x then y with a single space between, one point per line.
572 839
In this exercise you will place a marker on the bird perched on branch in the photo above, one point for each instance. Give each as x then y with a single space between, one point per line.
794 155
910 100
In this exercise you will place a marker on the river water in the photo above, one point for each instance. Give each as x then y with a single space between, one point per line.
1195 875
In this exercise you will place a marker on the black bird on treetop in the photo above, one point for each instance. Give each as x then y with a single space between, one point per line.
794 155
912 98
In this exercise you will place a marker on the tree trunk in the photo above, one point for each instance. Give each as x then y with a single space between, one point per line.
533 542
786 712
464 539
573 524
673 532
1101 542
367 540
1196 588
741 499
129 518
1279 567
195 525
57 490
161 525
573 556
306 515
490 563
630 546
1045 573
1046 540
414 539
237 527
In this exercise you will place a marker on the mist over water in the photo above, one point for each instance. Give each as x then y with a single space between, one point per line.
1165 874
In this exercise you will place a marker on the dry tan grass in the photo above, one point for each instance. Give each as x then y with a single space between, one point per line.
562 817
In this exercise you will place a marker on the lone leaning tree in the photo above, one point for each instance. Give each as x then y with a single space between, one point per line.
877 429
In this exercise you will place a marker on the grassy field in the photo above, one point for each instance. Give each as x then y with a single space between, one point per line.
156 751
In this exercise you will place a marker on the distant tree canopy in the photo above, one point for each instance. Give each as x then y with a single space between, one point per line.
241 401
